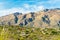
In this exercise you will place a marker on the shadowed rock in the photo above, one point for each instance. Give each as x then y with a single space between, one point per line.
16 18
17 13
32 15
26 22
58 23
24 16
21 24
30 19
46 19
9 23
46 10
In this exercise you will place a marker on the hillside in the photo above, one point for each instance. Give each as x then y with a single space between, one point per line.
45 18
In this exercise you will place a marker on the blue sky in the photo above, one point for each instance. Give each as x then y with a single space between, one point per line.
24 6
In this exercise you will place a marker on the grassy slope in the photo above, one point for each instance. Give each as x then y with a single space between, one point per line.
28 33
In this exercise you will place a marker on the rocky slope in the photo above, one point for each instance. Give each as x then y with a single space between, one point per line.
45 18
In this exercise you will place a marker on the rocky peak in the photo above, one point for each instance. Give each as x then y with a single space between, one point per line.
45 10
17 13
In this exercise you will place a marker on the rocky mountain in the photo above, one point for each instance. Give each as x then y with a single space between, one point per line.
45 18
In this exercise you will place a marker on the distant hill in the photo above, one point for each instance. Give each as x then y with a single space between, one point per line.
45 18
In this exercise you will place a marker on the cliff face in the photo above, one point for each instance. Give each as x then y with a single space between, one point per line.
46 18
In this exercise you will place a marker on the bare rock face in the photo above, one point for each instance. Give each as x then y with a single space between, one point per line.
16 18
45 18
11 19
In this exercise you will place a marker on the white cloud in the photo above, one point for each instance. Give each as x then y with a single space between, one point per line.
33 7
25 9
10 11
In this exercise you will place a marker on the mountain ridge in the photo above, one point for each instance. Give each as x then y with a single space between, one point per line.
45 18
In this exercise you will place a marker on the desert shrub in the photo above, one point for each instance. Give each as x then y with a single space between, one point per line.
54 32
28 33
